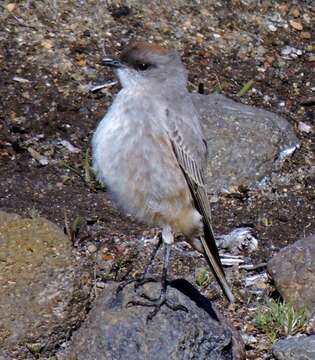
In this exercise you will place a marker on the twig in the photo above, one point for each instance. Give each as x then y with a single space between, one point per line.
86 166
231 262
100 87
253 267
20 22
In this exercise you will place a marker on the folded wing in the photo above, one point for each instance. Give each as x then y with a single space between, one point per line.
193 173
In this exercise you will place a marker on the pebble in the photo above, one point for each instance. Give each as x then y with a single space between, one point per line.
296 25
304 127
91 248
11 7
305 35
306 18
249 339
272 28
289 52
100 285
295 12
255 280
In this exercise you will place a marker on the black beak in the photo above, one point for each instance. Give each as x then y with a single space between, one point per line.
111 62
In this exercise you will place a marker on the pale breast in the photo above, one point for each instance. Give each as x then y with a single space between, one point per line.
133 157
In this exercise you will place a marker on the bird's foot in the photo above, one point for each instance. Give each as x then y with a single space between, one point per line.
144 278
156 303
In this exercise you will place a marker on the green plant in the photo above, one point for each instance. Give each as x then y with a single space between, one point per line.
202 278
34 213
121 264
277 319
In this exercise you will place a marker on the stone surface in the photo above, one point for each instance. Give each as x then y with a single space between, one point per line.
44 292
295 348
293 271
243 141
114 331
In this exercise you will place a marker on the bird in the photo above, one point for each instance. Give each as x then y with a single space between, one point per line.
150 153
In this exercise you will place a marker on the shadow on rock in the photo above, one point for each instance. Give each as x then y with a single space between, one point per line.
115 331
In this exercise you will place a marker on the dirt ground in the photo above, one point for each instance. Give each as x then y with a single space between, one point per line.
49 59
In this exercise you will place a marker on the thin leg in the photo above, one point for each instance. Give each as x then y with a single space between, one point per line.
162 299
167 252
152 256
143 277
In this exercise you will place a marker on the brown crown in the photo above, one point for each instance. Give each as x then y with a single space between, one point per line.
140 48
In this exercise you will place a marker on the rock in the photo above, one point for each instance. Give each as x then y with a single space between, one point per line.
295 348
304 127
289 52
297 25
44 291
243 141
5 356
114 331
293 271
238 239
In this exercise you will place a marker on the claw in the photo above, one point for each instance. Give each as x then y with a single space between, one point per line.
137 283
157 304
121 286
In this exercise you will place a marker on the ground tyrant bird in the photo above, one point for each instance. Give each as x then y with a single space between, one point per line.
150 152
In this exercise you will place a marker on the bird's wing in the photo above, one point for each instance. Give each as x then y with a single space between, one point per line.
194 174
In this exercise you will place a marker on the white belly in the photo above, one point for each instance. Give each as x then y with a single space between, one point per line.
134 159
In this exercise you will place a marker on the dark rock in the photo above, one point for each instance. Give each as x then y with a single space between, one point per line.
5 356
114 331
44 291
121 11
293 271
295 348
243 141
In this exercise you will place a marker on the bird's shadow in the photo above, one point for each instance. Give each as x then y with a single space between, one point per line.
193 294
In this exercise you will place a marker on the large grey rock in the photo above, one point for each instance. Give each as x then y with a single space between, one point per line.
243 141
293 271
295 348
44 292
114 331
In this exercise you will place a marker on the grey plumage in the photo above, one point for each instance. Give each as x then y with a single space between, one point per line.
150 152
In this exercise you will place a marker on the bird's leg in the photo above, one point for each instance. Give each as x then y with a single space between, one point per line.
162 299
143 277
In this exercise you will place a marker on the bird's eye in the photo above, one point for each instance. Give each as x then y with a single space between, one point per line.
143 67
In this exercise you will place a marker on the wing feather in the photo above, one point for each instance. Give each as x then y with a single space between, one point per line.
195 179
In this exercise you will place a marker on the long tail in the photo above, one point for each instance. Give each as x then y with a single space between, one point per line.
208 242
217 269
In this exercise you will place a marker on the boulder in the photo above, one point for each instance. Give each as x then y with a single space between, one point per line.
295 348
44 291
115 331
293 272
244 142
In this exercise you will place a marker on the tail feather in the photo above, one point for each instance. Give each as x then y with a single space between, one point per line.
208 240
217 270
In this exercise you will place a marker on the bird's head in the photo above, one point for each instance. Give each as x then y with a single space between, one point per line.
143 63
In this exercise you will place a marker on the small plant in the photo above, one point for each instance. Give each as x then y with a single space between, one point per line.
202 278
120 265
277 319
73 229
85 173
34 213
